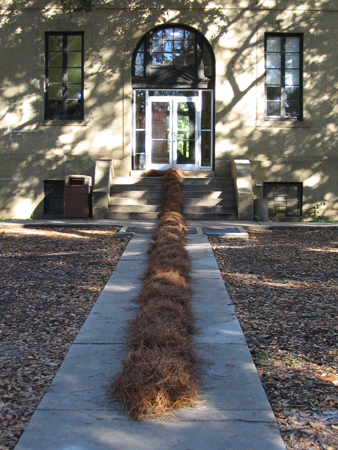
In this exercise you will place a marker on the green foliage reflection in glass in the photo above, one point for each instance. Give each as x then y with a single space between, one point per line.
186 129
173 46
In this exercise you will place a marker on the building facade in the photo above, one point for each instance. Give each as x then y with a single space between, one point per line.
152 85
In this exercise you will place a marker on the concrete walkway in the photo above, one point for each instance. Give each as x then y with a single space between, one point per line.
251 225
233 414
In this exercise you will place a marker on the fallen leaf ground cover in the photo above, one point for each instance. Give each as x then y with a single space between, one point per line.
284 285
49 281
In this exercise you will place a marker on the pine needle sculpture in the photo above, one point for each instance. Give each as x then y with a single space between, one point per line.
159 372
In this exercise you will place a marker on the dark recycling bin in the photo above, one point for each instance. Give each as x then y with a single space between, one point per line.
78 190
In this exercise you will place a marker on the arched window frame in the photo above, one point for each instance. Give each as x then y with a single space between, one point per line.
199 75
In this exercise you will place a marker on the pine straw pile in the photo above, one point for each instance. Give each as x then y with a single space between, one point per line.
159 371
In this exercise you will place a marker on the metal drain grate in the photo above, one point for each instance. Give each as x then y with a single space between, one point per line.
226 232
140 230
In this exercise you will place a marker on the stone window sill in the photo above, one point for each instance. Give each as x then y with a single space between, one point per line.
62 123
282 124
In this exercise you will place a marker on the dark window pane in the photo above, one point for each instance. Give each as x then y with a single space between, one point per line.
55 59
54 197
74 43
179 58
55 75
55 92
206 110
206 148
190 46
74 75
140 109
292 93
185 151
55 43
54 205
74 108
283 76
273 109
139 161
54 108
207 58
173 93
292 108
190 59
140 141
74 59
65 76
74 91
157 58
273 93
208 71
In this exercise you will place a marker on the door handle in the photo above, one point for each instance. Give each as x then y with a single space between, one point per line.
171 136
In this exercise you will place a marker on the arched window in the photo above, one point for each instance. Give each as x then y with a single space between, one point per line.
170 51
173 77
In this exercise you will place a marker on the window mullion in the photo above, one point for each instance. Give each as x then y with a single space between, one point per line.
147 54
283 79
64 77
198 56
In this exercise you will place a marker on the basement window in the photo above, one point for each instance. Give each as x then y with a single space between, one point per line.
54 197
284 199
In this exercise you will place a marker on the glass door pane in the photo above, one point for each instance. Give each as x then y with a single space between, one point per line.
160 132
186 132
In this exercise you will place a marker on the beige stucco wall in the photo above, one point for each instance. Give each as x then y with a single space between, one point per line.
33 150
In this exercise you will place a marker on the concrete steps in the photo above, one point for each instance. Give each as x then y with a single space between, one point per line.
204 198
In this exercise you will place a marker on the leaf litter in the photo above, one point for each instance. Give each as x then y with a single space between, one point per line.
49 281
284 285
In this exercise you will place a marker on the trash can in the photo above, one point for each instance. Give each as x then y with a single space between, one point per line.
77 198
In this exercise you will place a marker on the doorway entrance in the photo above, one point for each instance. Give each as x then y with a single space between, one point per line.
173 129
173 133
173 77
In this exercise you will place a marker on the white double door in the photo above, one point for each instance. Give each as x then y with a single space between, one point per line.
173 136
